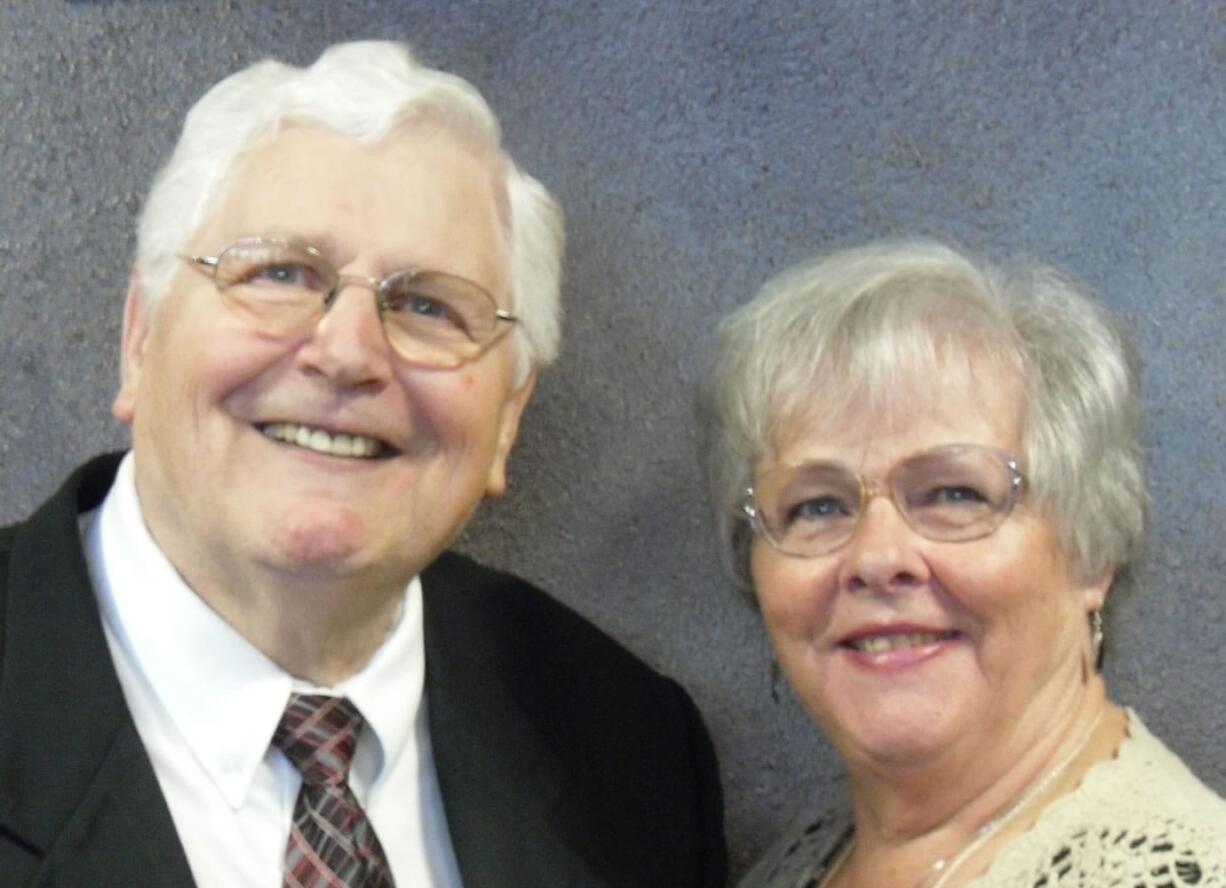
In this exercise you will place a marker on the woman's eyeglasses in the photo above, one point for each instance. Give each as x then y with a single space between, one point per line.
955 493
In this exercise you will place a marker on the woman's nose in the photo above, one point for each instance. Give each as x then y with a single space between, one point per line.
884 553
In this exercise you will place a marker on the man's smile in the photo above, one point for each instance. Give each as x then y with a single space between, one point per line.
323 441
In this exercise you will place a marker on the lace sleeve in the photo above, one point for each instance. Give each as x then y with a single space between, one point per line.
800 857
1141 820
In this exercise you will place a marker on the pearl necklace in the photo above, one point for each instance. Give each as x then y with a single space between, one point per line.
944 869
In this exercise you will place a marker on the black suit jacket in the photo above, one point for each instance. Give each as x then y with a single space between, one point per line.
563 760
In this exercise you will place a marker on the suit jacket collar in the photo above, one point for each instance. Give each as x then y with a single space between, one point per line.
509 798
77 785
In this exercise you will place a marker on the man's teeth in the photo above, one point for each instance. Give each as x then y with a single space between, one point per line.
321 441
882 644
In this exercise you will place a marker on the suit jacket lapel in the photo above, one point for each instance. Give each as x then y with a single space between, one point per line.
77 786
502 787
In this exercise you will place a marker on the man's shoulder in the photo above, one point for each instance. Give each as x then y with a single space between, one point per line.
641 773
469 584
7 533
572 676
81 490
43 542
6 546
514 617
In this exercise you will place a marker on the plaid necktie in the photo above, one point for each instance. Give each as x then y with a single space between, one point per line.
331 843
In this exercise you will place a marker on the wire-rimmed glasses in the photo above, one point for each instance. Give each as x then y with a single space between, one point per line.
955 493
283 287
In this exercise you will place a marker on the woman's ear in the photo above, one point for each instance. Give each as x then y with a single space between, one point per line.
1094 592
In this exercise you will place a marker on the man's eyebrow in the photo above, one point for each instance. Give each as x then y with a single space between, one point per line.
322 241
339 255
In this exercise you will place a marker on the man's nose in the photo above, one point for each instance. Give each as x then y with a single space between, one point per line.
884 552
347 345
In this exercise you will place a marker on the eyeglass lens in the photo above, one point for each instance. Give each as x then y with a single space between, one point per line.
282 287
950 494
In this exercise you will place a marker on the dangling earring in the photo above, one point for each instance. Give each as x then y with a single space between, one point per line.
1096 638
775 680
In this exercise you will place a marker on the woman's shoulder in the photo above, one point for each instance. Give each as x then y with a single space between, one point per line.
1147 782
1159 776
1142 818
801 854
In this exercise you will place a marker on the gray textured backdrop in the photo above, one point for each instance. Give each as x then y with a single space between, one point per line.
698 148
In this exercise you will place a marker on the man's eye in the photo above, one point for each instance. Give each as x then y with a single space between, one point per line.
427 307
286 274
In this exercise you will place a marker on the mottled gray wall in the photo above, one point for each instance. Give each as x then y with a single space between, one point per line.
698 148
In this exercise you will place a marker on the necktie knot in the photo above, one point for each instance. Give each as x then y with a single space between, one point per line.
318 734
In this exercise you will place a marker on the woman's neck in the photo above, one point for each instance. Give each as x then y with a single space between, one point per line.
915 826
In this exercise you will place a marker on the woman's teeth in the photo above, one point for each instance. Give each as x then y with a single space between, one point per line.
882 644
354 446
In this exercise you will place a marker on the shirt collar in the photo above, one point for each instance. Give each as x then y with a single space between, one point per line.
205 674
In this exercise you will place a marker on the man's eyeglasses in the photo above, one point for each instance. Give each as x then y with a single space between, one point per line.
430 318
956 493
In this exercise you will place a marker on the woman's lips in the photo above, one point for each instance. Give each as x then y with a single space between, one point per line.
896 647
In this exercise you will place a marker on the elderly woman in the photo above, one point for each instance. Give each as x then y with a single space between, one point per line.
931 475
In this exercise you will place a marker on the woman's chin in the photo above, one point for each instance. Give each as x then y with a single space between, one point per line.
899 750
901 736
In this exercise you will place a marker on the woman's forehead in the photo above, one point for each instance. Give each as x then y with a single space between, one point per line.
964 401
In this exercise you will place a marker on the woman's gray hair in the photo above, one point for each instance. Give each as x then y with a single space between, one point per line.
853 330
364 91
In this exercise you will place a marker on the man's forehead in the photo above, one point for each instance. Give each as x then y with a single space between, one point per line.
421 189
291 159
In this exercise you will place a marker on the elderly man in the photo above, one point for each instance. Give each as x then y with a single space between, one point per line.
240 655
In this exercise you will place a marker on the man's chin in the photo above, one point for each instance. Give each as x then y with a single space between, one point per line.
336 543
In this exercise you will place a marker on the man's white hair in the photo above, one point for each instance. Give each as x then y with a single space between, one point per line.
364 91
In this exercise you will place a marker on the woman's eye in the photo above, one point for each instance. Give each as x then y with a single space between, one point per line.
821 508
955 495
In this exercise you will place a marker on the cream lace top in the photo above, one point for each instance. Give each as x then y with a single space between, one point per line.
1140 820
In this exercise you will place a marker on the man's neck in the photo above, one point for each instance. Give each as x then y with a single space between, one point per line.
316 632
320 623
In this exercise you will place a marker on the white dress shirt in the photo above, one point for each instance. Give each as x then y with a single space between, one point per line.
206 703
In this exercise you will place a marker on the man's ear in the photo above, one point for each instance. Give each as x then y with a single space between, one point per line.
136 325
512 411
